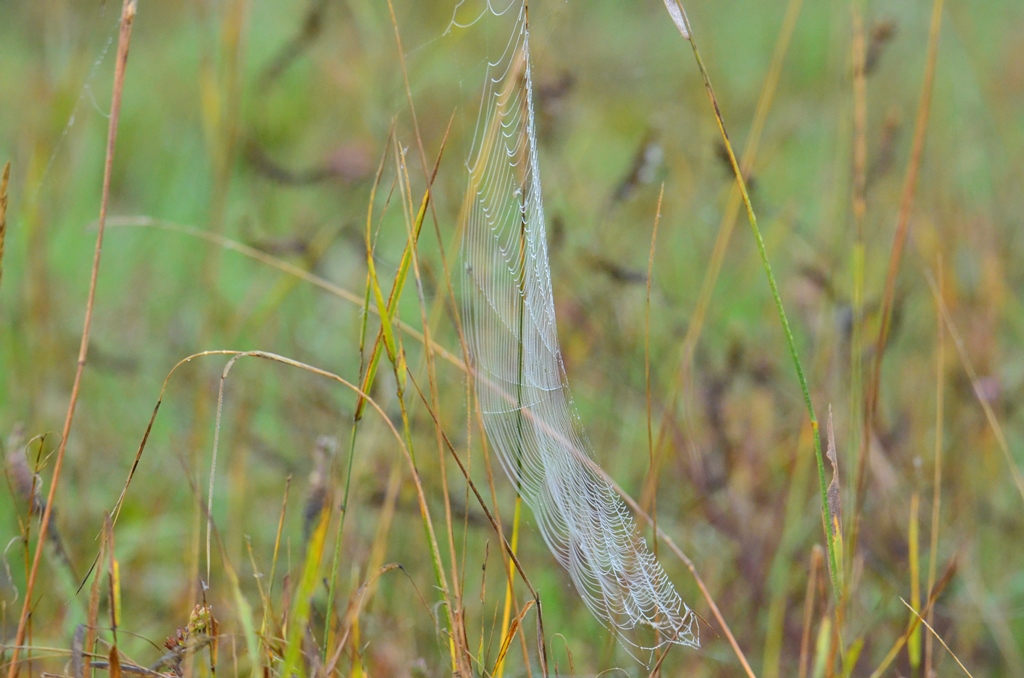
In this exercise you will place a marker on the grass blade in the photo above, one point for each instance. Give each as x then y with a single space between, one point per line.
128 10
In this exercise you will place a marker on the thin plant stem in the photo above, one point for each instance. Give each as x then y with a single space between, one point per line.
128 10
652 479
859 207
940 382
899 240
725 230
934 633
458 629
651 470
914 622
396 356
448 356
401 439
542 647
972 375
499 666
3 213
812 586
364 376
830 533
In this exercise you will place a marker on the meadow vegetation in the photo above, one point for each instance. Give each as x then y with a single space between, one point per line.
268 473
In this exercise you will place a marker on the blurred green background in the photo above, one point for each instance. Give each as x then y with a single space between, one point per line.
264 122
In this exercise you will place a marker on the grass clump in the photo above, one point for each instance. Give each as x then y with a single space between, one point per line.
286 184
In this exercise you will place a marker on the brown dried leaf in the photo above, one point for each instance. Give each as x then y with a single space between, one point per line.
835 508
835 504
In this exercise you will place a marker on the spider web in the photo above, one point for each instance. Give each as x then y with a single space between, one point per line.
524 397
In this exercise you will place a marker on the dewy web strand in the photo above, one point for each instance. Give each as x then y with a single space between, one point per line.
521 382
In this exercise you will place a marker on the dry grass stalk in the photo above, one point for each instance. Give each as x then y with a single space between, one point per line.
934 633
127 17
899 240
3 213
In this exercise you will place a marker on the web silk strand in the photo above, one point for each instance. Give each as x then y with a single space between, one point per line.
523 392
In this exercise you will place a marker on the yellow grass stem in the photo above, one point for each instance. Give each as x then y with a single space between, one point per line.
914 642
459 638
499 666
397 357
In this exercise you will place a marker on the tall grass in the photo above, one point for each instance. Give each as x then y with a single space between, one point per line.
284 191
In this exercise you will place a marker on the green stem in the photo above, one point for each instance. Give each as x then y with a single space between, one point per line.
336 558
830 534
428 526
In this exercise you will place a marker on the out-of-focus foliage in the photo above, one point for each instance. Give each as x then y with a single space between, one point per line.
264 122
